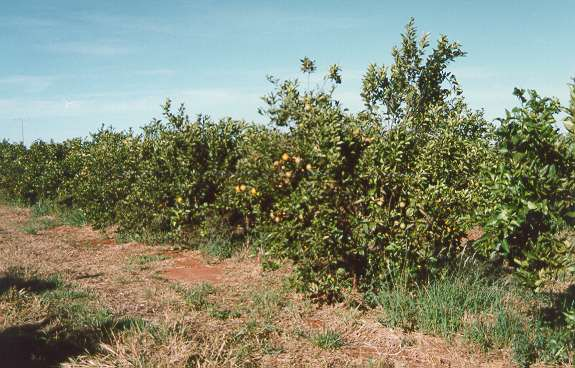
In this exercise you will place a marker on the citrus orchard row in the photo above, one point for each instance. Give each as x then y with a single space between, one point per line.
353 200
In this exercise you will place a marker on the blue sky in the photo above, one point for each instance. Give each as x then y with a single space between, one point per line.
69 66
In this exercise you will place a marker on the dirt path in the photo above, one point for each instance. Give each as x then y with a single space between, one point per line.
247 317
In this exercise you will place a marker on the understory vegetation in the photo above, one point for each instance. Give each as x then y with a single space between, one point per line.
46 321
391 201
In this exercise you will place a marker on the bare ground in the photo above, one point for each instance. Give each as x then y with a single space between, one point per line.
271 326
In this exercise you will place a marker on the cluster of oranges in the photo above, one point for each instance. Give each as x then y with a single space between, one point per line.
275 217
401 205
288 174
242 188
286 158
401 225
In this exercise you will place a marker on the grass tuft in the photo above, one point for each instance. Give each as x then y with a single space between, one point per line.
47 215
197 296
492 315
142 260
47 322
328 340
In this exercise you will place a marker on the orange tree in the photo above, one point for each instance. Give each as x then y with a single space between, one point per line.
103 171
12 157
183 166
359 199
532 190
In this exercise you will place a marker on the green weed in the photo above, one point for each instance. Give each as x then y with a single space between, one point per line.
224 314
142 260
71 322
488 314
328 340
197 296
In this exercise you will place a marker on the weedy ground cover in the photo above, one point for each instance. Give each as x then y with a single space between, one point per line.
491 313
131 316
45 321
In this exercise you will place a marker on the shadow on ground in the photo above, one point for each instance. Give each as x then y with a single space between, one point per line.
12 279
49 342
560 302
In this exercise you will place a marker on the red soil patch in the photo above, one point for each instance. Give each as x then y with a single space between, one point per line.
102 242
362 352
192 270
315 323
64 229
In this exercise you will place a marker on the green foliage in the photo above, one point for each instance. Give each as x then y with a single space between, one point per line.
328 340
12 158
197 296
532 191
416 82
366 197
104 172
490 314
182 168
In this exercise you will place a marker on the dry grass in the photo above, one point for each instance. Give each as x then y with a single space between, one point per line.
249 319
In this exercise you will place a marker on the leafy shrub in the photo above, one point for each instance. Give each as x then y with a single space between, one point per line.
105 170
182 167
42 172
12 158
360 199
532 191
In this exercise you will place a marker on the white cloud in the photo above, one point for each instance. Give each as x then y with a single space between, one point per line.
100 107
96 48
127 23
27 83
162 72
27 22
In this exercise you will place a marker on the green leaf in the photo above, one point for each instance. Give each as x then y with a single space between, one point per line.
505 246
